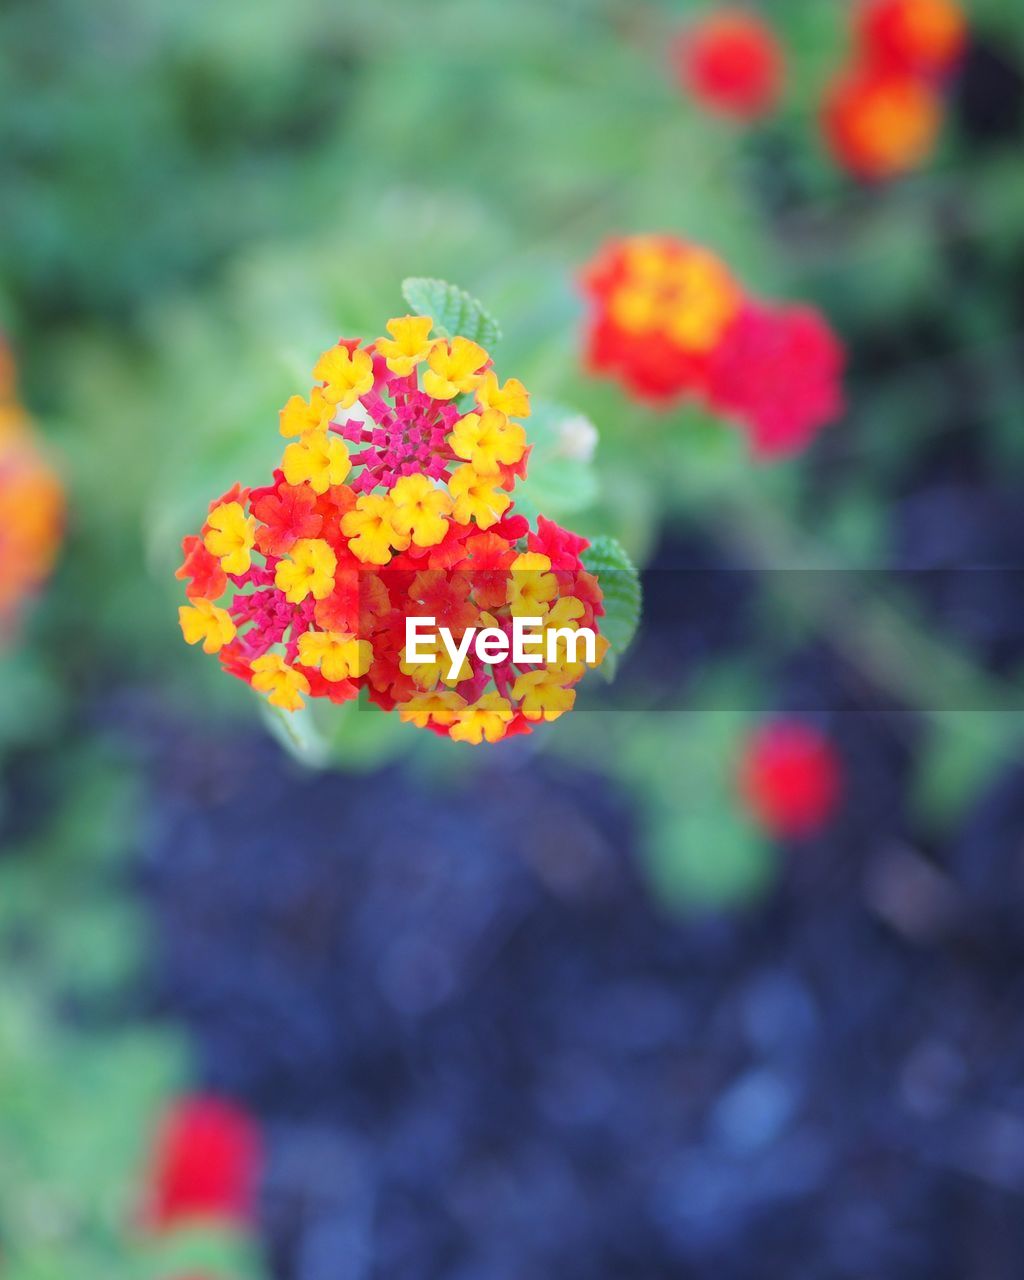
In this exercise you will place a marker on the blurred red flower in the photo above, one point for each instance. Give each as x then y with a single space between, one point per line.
731 63
778 369
206 1165
880 123
659 306
790 779
922 37
670 322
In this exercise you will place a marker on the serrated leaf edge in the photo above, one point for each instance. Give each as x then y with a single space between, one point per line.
467 304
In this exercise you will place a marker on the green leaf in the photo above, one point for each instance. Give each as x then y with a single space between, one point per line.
29 706
322 735
560 478
219 1253
700 850
298 732
708 859
620 585
958 759
362 736
453 311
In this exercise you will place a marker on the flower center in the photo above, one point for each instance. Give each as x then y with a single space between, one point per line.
407 436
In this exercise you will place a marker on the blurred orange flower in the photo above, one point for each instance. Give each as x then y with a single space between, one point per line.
31 503
661 306
880 124
924 37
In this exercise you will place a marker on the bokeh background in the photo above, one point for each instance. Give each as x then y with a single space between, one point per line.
565 1006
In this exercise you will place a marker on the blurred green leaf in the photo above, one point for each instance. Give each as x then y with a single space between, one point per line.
958 757
620 585
29 703
560 478
363 737
214 1254
354 735
75 1118
707 859
297 731
698 848
453 310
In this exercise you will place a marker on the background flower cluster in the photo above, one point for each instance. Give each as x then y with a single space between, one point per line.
671 321
880 114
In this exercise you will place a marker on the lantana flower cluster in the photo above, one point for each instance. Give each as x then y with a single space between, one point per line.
883 114
31 502
670 321
730 61
393 500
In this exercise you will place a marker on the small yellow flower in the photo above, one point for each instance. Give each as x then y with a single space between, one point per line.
564 615
283 685
454 368
477 498
465 672
442 708
542 696
302 417
319 460
420 509
338 655
307 570
370 529
207 622
531 586
532 561
428 675
512 399
230 536
409 343
488 718
565 612
348 375
487 440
